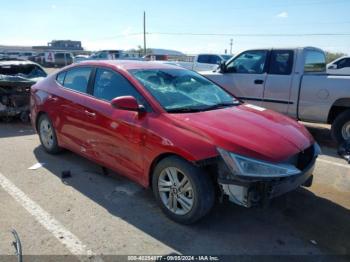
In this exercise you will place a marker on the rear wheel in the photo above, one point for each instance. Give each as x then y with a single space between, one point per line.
184 192
341 127
47 135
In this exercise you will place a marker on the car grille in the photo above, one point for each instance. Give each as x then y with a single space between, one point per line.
305 157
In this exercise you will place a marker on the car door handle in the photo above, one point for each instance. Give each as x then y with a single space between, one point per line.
90 114
258 82
53 98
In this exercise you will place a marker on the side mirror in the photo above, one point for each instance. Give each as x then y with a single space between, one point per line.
332 66
127 103
222 67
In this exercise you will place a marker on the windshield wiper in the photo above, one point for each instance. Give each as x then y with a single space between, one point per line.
220 105
200 109
184 110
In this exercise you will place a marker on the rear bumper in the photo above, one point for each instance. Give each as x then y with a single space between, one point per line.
254 193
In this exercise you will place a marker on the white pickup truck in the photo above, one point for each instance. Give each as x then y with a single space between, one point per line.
203 62
291 81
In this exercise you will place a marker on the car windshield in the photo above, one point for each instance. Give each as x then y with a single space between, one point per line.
179 90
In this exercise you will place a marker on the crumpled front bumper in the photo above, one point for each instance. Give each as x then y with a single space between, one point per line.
252 192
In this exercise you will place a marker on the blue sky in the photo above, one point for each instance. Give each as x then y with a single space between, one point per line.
117 24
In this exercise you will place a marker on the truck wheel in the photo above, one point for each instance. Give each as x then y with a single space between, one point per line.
341 127
47 135
24 116
184 192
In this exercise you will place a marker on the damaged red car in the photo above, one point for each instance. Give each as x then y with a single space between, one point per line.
175 131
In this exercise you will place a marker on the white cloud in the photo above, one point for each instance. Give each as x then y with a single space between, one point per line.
283 14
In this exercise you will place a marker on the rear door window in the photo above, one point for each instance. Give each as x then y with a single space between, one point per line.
203 59
77 79
103 55
60 78
315 61
281 62
214 59
59 56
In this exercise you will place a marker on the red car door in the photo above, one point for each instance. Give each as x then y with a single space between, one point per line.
116 135
72 121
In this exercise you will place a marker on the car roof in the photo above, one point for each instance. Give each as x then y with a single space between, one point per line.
130 64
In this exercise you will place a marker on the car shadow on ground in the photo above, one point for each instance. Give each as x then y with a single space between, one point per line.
299 217
322 135
15 128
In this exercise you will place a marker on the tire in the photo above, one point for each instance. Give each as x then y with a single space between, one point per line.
341 123
47 135
24 116
194 199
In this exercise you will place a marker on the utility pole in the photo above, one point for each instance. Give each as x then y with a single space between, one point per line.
231 44
144 33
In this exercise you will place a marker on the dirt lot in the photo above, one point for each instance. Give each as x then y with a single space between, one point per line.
111 215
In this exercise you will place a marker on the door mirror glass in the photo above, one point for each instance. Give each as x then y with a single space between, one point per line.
125 103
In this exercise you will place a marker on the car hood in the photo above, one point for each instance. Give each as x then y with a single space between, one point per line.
248 130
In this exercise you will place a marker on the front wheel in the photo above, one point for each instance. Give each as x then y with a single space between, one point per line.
341 127
184 192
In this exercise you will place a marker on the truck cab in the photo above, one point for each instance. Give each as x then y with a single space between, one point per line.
265 77
292 81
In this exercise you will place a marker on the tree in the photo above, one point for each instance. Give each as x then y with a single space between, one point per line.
330 56
141 51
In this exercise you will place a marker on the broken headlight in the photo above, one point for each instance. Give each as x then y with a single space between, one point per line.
244 166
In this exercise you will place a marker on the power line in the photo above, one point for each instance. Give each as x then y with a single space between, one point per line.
225 34
248 35
115 36
289 24
295 4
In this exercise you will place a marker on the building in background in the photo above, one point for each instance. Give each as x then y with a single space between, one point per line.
65 45
55 45
61 45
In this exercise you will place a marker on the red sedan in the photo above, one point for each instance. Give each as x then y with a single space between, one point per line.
174 131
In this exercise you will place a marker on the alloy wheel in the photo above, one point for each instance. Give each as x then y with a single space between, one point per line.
46 133
346 131
176 191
